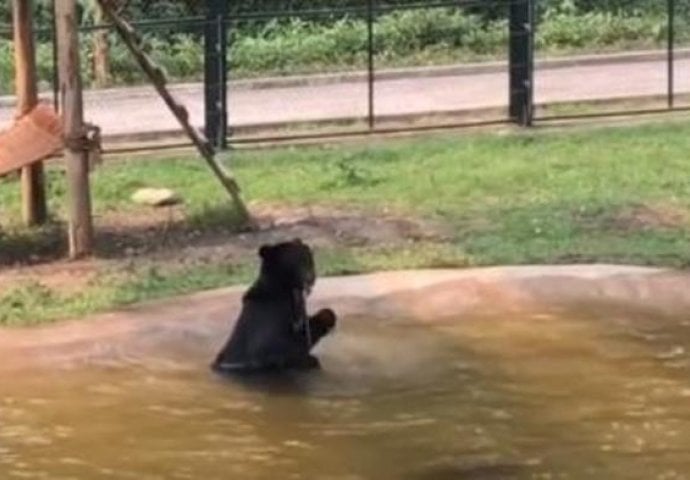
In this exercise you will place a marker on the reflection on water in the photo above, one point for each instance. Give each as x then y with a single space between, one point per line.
551 396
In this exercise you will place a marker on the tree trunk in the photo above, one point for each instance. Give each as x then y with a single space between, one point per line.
101 50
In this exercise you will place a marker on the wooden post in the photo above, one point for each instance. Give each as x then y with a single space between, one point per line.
80 227
34 209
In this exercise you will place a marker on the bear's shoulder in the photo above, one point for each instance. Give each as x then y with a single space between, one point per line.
261 291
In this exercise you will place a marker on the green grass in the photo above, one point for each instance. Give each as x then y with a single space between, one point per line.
598 195
32 303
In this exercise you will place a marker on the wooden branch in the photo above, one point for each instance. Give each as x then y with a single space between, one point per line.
157 78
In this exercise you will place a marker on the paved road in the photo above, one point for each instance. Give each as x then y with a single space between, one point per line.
136 110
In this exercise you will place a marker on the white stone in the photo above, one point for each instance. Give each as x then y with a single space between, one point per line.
156 197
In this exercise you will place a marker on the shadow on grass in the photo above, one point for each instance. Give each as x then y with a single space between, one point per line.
32 245
26 246
208 226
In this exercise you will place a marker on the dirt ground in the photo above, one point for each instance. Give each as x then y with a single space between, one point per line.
163 237
166 239
637 217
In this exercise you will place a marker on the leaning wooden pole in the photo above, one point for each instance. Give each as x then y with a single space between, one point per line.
80 222
34 209
157 78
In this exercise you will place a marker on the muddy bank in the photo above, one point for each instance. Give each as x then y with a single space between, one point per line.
200 322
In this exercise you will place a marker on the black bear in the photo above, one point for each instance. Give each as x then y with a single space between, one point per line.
273 331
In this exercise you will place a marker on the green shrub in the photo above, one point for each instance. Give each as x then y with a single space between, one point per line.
564 28
438 35
6 67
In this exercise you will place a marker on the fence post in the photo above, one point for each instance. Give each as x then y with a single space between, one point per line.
521 61
670 52
216 73
370 63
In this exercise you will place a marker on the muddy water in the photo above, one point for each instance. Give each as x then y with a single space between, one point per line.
547 396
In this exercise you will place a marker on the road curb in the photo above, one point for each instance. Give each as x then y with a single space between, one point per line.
249 132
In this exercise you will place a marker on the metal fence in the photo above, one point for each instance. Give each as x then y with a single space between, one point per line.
217 103
219 108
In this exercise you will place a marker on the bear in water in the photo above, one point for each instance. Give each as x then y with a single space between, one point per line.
273 331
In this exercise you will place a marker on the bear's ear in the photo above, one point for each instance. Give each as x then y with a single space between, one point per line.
264 250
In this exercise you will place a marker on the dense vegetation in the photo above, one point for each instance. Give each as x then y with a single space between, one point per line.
411 37
176 8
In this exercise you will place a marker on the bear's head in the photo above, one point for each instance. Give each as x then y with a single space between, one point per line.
289 265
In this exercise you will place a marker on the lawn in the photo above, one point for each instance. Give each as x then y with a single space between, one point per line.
615 195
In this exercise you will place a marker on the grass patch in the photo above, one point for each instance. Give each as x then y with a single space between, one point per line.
32 303
619 195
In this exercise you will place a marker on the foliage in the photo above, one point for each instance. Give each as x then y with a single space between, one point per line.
412 37
563 27
140 9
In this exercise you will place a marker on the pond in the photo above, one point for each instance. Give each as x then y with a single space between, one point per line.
550 395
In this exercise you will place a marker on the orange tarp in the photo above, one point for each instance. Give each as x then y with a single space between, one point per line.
32 138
